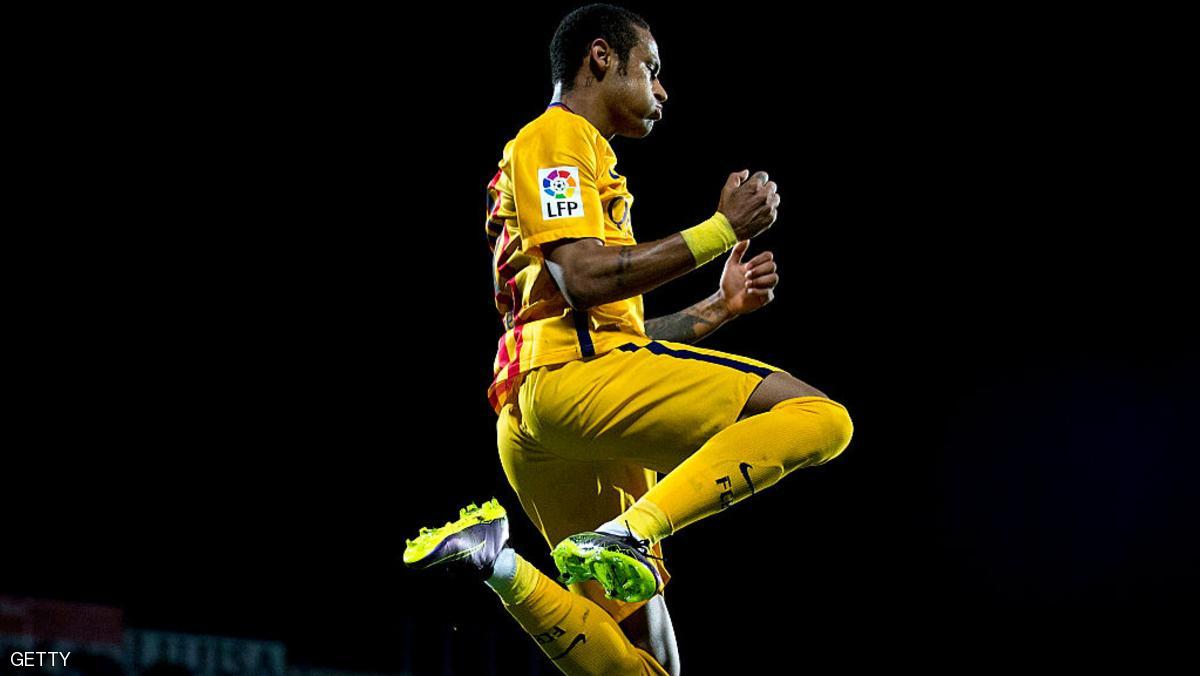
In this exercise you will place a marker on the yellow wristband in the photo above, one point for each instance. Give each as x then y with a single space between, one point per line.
710 239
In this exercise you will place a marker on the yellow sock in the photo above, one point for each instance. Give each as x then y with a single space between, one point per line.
576 634
741 460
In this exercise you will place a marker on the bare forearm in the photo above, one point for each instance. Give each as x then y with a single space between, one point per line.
613 273
691 324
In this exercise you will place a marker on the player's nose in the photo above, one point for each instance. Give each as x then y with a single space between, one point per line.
660 92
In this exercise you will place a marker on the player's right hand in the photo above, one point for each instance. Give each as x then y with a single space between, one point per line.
749 203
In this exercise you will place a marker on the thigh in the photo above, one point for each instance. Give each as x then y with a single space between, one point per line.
653 404
775 388
563 497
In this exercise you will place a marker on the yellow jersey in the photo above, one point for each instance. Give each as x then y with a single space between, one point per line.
557 180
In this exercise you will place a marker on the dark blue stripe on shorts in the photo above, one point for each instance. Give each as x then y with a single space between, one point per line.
659 348
581 330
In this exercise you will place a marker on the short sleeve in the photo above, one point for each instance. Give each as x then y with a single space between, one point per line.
554 175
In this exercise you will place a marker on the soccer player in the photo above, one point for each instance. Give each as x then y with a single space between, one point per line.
594 401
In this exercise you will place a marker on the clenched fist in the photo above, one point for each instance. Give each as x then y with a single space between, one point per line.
749 203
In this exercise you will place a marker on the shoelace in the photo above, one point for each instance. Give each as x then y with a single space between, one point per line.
641 546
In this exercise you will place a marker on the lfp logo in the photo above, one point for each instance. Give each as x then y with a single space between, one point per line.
560 191
559 184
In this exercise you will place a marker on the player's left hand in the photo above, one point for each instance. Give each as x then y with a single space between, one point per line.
747 286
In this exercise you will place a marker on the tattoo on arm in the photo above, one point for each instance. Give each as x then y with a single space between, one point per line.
689 325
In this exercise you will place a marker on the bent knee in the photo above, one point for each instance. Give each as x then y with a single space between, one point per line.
829 429
838 429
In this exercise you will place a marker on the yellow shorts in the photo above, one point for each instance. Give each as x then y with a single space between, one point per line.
582 441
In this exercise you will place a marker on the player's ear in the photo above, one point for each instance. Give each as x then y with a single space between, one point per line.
599 58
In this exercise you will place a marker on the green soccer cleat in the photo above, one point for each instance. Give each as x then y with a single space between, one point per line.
468 546
620 563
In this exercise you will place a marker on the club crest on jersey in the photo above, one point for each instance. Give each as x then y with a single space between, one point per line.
560 191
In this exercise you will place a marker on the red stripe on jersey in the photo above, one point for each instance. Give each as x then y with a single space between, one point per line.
505 240
514 295
502 356
514 368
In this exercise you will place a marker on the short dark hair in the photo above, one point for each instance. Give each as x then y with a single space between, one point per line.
579 28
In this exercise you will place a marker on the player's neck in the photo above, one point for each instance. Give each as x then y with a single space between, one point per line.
587 104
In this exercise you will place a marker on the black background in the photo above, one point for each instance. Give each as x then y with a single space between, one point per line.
275 371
